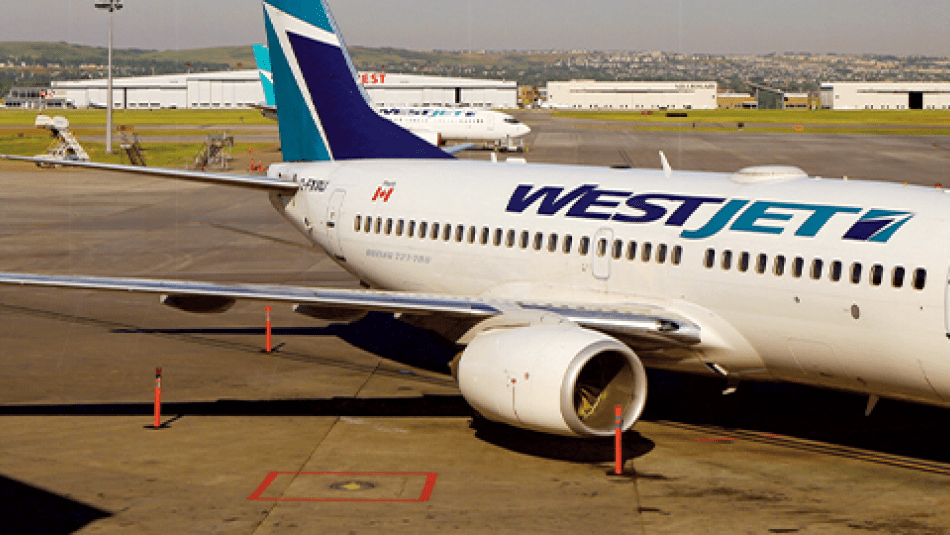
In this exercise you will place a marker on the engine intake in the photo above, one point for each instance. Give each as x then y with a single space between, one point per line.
556 379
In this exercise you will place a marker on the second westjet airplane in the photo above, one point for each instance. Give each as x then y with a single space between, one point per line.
560 283
436 125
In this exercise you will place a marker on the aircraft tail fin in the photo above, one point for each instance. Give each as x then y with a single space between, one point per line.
324 113
262 56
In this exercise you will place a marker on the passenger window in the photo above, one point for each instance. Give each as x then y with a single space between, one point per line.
677 255
524 239
538 241
856 273
743 263
459 233
897 277
510 241
877 274
602 247
661 253
584 246
356 224
399 226
618 248
498 236
412 228
779 267
552 243
447 232
568 242
379 224
710 258
471 234
816 267
435 231
632 250
423 229
646 251
484 238
798 267
834 272
726 260
368 225
389 226
920 278
761 262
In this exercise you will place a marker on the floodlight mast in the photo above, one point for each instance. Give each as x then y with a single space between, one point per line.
111 6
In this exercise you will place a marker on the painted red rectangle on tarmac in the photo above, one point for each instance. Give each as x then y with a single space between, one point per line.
327 496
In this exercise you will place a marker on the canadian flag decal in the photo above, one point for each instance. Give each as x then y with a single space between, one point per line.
383 193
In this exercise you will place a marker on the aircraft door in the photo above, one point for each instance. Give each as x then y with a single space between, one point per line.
333 223
600 253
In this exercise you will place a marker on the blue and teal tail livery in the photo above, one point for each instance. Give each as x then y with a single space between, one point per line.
262 56
324 113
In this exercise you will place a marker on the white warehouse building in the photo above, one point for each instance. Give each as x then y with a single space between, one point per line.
242 89
227 89
587 94
885 95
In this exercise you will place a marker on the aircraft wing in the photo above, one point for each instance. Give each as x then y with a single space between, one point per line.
658 325
222 179
266 110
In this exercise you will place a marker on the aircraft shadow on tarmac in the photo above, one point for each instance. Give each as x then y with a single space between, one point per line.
825 416
833 418
376 333
25 509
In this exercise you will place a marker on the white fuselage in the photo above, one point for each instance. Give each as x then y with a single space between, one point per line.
457 124
699 239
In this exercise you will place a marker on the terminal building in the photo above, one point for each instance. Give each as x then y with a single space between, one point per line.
242 89
885 95
586 94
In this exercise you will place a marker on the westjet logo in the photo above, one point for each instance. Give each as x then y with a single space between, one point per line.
762 217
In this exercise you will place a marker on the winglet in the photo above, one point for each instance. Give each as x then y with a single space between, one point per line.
667 170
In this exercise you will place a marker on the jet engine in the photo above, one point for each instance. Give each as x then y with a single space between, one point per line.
552 378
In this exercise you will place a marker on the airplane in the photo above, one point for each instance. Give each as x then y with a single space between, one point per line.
560 284
434 124
267 108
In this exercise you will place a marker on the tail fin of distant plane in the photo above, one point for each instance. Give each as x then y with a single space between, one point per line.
324 113
262 56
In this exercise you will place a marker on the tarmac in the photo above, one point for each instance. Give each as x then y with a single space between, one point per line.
324 435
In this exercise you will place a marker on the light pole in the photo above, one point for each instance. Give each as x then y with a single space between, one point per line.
111 6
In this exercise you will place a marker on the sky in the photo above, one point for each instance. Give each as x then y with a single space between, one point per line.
900 27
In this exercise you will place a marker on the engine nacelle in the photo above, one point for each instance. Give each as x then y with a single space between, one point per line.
553 378
198 304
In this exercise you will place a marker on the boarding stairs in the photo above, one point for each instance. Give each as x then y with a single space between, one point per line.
216 152
133 149
64 146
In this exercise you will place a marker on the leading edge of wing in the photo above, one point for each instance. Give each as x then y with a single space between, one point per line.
403 302
661 324
241 181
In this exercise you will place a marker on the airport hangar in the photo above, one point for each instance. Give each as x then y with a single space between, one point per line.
885 95
652 95
242 89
